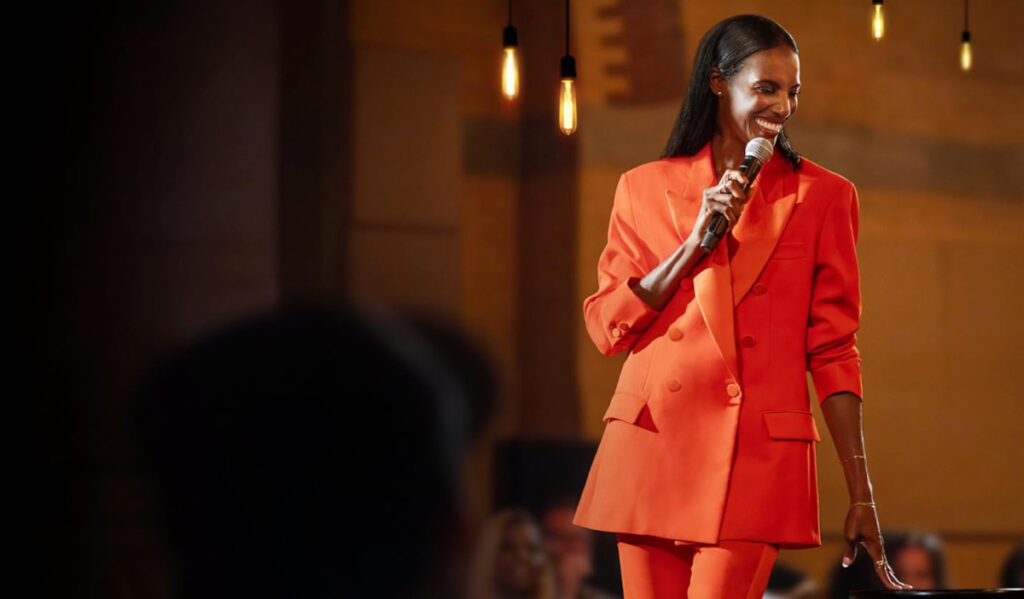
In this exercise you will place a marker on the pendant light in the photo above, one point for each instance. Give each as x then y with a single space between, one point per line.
510 63
965 44
567 92
877 20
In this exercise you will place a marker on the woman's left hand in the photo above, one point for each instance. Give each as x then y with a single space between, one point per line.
862 529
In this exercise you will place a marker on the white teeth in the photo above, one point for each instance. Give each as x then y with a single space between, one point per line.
769 125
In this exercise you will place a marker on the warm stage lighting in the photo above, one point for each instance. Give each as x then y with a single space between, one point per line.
965 51
877 21
567 107
510 74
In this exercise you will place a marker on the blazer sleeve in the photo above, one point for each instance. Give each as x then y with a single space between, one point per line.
832 356
615 316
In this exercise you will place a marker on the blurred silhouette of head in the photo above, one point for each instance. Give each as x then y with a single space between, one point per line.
570 547
509 560
1013 570
917 557
310 453
786 582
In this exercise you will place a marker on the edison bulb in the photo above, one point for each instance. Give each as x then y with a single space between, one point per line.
510 74
878 22
567 107
965 55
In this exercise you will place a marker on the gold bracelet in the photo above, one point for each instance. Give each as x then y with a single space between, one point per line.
867 503
853 457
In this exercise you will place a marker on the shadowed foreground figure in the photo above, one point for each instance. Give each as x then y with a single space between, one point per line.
314 454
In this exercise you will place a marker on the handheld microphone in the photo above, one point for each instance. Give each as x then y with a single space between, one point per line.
758 151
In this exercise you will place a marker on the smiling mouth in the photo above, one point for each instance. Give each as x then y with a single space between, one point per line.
769 125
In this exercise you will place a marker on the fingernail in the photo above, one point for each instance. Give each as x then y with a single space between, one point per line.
846 562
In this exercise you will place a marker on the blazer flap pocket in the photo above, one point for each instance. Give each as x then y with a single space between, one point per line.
625 406
791 425
789 250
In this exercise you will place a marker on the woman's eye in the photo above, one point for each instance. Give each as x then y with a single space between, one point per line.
764 90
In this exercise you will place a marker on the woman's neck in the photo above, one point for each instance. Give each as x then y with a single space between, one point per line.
727 152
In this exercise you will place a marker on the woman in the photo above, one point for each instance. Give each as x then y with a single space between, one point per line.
509 561
707 463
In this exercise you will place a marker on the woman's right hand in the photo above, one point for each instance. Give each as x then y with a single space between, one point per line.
727 197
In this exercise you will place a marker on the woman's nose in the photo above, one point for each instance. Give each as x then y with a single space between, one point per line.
784 109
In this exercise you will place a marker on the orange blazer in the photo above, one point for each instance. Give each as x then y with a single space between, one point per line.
709 433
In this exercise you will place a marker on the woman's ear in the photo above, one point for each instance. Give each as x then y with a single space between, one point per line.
716 82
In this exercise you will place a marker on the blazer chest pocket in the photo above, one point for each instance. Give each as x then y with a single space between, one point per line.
625 406
791 426
789 250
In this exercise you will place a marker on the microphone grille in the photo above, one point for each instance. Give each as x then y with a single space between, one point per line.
760 148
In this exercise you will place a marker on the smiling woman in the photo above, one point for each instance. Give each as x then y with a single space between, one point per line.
707 464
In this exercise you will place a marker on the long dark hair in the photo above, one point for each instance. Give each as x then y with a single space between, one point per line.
725 46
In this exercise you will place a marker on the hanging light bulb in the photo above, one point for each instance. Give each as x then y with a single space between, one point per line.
567 96
965 51
510 64
567 92
877 20
965 44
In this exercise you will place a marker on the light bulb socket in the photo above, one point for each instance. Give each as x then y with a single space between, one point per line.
966 36
568 67
878 2
509 37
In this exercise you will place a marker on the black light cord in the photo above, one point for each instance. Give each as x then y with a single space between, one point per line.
566 27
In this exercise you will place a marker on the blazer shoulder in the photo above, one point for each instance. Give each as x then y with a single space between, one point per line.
654 169
814 177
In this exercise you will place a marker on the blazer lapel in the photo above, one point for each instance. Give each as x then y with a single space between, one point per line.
762 223
712 282
712 287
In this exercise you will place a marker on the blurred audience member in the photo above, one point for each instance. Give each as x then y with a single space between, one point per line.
1013 569
312 453
787 582
917 557
509 560
571 551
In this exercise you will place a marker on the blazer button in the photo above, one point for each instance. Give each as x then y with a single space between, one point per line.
733 390
686 284
616 333
674 385
748 341
760 289
675 334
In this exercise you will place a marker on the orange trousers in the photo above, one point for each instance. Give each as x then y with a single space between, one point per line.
656 568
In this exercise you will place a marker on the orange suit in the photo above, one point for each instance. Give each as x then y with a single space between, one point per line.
709 433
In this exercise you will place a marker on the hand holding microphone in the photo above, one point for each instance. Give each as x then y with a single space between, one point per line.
725 201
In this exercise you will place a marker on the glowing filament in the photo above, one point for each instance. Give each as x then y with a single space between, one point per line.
878 22
965 55
510 74
567 107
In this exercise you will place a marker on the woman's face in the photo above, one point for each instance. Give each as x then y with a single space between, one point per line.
521 560
913 566
759 99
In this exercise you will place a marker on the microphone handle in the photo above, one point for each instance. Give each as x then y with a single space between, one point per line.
719 224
